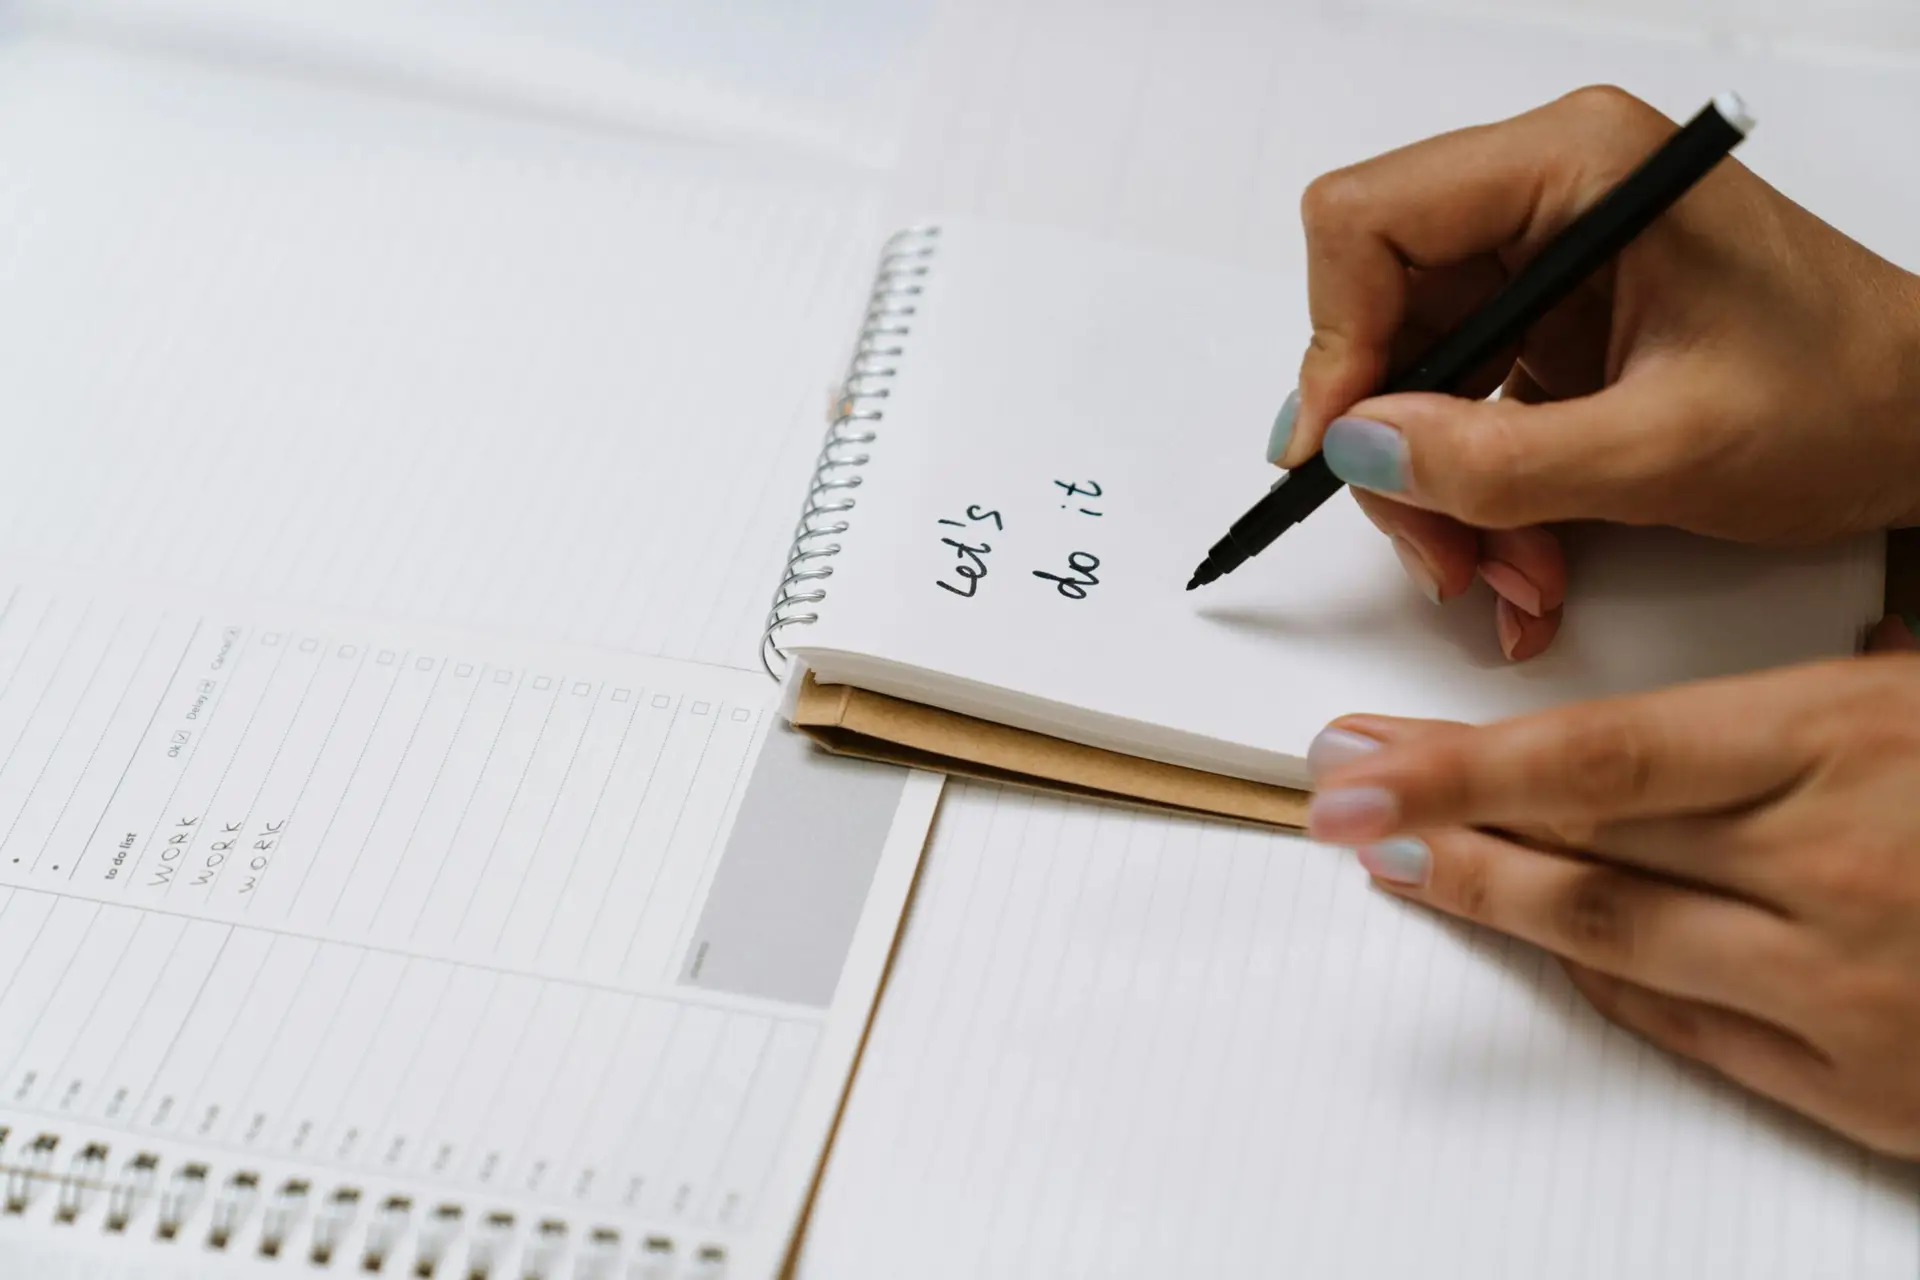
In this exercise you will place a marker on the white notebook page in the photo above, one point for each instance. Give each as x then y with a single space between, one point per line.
1122 1047
806 76
391 356
1074 422
409 912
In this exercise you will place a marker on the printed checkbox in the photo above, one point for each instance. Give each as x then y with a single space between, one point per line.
424 664
740 714
502 676
464 669
662 700
386 658
621 695
180 735
701 708
309 645
581 689
347 651
271 638
543 682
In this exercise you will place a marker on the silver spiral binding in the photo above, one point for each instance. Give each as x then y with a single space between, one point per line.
81 1183
858 409
128 1194
233 1208
282 1217
384 1234
179 1199
331 1226
186 1208
437 1238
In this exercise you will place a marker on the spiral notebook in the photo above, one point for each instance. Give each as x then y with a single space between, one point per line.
1041 433
367 948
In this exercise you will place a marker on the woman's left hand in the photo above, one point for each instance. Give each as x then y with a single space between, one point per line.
1731 869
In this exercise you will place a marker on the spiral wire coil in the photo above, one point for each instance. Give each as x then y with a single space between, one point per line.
185 1208
858 409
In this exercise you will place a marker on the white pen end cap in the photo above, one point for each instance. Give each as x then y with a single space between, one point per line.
1734 110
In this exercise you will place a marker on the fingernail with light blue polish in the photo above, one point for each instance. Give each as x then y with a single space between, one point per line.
1283 427
1352 815
1332 747
1367 454
1403 860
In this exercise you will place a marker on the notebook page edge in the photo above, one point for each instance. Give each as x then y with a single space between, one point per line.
1054 719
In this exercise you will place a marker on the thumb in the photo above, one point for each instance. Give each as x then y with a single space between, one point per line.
1500 464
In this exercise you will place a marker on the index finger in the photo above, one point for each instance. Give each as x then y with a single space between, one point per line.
1501 187
1696 749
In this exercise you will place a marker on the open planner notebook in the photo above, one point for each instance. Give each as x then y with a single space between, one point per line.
514 938
404 951
1043 433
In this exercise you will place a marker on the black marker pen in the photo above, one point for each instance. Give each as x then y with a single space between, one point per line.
1569 258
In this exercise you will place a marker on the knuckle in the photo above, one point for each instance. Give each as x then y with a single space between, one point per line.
1675 1024
1859 879
1332 201
1606 762
1612 131
1609 106
1449 766
1594 918
1472 886
1485 472
1330 345
1572 833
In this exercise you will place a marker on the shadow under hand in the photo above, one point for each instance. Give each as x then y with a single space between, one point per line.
1379 620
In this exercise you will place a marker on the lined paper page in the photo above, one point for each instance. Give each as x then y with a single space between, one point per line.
345 783
1118 1047
394 906
253 1041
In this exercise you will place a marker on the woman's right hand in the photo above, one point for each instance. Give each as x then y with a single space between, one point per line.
1742 370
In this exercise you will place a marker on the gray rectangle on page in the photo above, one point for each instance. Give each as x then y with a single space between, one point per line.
790 887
